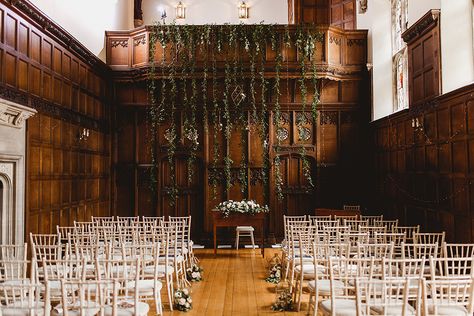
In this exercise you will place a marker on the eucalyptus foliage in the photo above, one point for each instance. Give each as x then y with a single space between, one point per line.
208 93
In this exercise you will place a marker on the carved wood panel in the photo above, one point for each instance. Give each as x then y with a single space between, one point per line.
67 177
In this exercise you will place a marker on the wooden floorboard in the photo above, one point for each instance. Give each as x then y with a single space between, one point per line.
234 284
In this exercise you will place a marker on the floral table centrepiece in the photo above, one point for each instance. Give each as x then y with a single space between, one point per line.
242 207
194 273
182 300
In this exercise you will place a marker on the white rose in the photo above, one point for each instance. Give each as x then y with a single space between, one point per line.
181 301
177 294
194 275
188 305
185 291
190 300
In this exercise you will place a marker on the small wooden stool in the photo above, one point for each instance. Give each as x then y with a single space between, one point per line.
244 231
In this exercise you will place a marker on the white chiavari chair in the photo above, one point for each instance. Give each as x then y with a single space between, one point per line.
396 238
383 297
295 250
91 297
372 230
53 271
450 250
448 297
102 220
24 299
376 250
354 224
348 207
320 218
127 220
175 256
148 283
409 231
341 218
127 273
419 251
353 239
303 260
320 225
390 224
15 272
414 270
320 285
429 238
333 232
183 225
372 220
344 271
84 227
14 252
298 222
452 268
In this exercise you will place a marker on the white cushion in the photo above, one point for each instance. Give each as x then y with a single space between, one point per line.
142 309
90 309
342 307
309 269
451 310
393 310
19 309
324 287
245 228
150 270
144 285
17 282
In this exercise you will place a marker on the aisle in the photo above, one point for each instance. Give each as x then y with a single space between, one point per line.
233 285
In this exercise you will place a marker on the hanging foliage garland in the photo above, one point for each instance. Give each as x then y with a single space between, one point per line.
180 90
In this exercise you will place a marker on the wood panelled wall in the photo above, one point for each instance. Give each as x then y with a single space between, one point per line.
340 13
334 145
424 175
43 67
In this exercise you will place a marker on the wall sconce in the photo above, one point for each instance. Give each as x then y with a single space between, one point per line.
180 11
243 10
363 6
83 134
416 124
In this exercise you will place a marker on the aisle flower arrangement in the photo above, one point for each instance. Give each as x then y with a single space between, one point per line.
284 302
242 207
274 274
193 274
182 300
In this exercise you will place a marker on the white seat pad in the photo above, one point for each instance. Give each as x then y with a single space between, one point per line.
324 287
21 310
149 270
128 309
451 310
144 285
342 307
393 310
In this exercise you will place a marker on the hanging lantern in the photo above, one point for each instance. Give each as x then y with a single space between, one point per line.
180 11
243 10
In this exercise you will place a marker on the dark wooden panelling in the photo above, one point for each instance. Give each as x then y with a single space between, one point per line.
435 188
340 13
62 185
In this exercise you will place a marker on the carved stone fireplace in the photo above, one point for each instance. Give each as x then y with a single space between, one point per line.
12 170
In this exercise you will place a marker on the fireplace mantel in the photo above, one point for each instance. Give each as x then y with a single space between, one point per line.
12 170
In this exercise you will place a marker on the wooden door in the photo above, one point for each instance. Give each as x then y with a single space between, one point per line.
189 195
298 195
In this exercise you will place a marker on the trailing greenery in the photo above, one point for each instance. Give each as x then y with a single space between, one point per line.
223 95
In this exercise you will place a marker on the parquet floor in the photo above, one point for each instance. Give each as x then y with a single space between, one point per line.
234 284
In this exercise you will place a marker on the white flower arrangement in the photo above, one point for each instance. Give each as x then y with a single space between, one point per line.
284 302
182 300
194 273
243 207
274 274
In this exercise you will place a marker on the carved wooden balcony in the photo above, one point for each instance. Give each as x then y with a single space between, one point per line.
339 55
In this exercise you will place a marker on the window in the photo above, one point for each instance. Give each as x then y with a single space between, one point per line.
399 53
